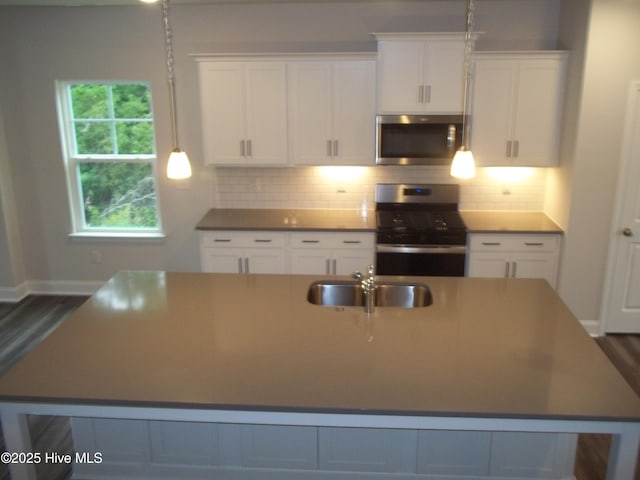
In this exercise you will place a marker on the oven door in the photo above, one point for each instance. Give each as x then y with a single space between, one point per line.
431 260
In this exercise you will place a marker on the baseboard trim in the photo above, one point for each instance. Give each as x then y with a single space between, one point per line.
48 287
592 327
12 295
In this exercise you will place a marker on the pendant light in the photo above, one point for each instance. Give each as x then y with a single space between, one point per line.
178 166
463 164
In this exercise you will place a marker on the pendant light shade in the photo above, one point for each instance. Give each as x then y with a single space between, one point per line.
178 166
463 165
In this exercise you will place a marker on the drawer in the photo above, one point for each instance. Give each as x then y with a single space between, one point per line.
224 238
332 240
513 242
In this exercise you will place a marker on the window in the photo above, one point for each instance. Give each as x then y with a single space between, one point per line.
109 149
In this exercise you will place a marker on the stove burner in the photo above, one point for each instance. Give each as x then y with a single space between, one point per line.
412 220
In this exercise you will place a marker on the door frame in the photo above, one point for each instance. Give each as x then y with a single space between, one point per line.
607 306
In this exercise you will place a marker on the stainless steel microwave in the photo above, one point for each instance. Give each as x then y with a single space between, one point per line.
417 139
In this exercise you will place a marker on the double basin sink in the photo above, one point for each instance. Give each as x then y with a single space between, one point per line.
347 293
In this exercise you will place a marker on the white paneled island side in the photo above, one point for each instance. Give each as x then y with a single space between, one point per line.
179 375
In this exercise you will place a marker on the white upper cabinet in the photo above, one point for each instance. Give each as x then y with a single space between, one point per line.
332 112
517 107
244 112
420 73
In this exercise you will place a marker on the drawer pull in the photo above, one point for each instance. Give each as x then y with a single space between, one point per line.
491 244
222 240
262 240
352 241
310 241
534 244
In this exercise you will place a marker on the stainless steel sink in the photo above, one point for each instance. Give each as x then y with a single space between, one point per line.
346 293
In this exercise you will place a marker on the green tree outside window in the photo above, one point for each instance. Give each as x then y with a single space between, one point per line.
114 148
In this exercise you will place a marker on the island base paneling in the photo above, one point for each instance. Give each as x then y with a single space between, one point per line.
140 449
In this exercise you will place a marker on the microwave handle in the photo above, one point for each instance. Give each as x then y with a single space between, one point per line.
451 138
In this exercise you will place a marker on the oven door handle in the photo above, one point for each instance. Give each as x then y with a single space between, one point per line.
441 249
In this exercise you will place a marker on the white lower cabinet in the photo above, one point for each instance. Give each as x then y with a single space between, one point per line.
243 252
140 449
317 253
330 253
514 256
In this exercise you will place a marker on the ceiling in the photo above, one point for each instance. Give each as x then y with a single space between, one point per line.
81 3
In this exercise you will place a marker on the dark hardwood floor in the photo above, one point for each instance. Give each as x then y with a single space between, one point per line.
25 324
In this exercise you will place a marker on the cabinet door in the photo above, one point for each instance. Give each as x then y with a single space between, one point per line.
534 265
222 103
517 103
354 113
310 113
266 107
537 120
492 111
222 260
489 265
311 262
351 260
265 260
444 76
401 67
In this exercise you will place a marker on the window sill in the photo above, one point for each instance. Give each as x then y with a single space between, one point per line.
118 235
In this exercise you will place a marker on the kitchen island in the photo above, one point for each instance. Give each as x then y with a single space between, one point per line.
202 356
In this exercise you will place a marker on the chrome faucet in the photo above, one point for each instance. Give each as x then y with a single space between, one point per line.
368 284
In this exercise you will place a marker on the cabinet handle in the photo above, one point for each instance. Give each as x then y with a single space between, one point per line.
262 240
328 266
335 264
534 244
506 269
242 148
310 241
249 153
335 148
491 244
427 90
222 240
508 148
246 265
514 269
352 242
329 149
420 93
239 265
516 148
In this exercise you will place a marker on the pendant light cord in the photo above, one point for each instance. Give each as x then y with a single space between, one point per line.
168 44
468 50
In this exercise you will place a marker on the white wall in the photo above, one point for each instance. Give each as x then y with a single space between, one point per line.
46 44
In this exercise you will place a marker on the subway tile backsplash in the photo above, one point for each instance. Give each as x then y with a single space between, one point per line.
353 187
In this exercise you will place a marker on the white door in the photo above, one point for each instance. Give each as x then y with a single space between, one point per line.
622 302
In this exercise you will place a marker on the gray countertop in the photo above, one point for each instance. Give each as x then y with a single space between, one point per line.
500 221
288 219
486 347
363 220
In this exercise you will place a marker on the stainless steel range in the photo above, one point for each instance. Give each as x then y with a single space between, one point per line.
419 230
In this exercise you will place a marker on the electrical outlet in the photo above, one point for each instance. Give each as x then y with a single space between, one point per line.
96 256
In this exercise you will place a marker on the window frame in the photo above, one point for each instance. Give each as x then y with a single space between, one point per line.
72 161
